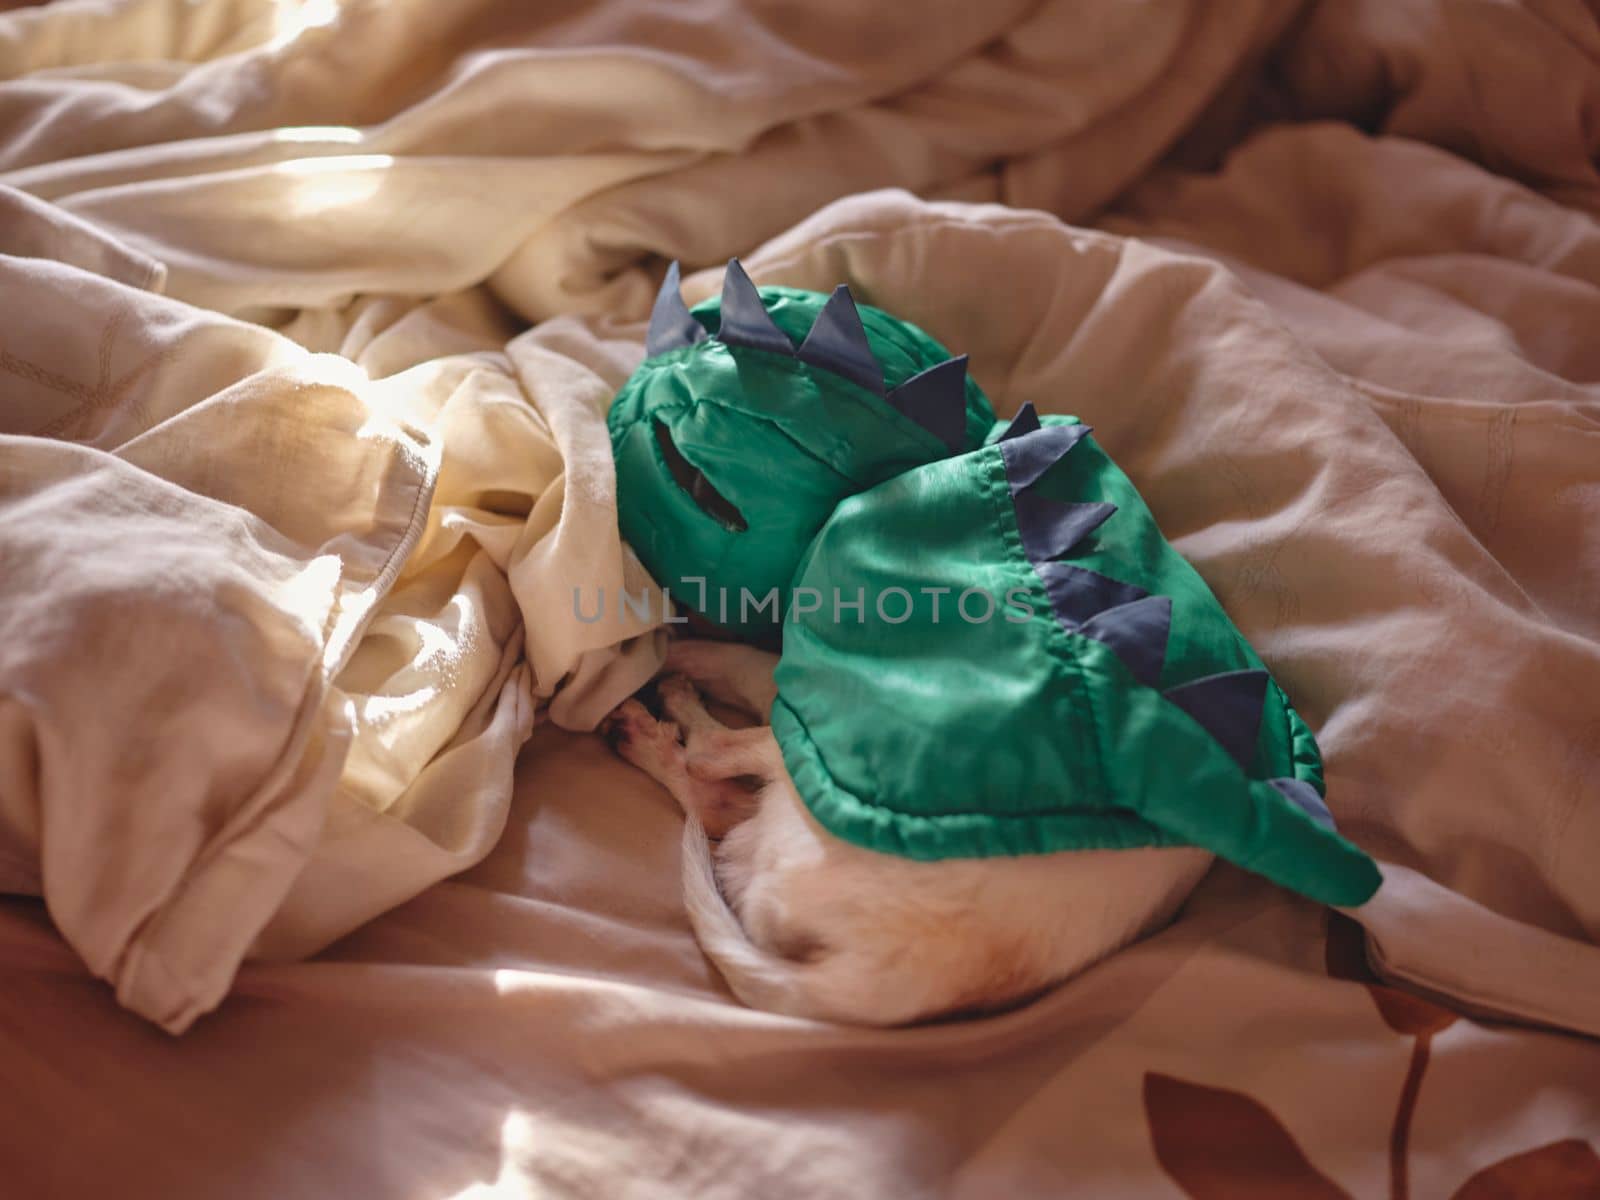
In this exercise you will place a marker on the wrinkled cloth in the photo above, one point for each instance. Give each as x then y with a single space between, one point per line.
275 623
1335 323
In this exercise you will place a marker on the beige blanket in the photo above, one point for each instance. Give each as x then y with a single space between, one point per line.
291 513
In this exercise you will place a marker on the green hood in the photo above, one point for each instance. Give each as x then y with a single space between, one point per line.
988 646
1105 700
753 416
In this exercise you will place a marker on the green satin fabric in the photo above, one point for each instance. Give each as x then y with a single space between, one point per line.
941 737
781 441
938 736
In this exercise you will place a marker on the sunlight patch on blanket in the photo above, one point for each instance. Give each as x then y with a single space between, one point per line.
294 17
317 133
342 181
517 1138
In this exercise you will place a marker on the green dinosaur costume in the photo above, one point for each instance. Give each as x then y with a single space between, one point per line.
732 451
988 646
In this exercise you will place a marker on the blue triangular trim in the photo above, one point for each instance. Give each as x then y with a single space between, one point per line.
936 399
838 342
1031 455
671 325
1077 594
1025 422
1050 527
1229 706
1137 633
1301 794
745 320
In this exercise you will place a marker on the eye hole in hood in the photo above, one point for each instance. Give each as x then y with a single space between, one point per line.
693 481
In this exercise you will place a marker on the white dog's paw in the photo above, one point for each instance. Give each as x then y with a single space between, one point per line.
729 672
681 701
651 745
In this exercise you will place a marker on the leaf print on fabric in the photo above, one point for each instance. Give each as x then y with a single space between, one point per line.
1218 1144
1346 958
1565 1170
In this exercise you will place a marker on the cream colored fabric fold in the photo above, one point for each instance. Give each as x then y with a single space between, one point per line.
286 562
277 623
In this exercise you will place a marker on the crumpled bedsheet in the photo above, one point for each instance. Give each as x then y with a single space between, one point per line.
344 290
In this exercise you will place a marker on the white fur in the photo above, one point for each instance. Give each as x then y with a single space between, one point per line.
801 922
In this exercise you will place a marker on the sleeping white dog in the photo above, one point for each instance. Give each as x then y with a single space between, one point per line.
1024 757
804 923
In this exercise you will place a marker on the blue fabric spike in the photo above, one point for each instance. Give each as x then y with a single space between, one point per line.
936 399
671 325
1050 528
1301 794
1025 422
1229 707
837 342
1077 594
1031 455
745 321
1137 633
